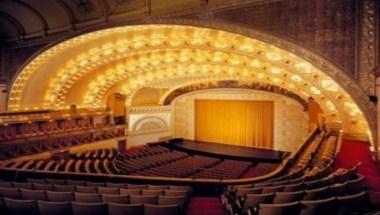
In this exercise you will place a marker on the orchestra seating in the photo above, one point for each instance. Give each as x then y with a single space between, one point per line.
306 182
318 190
56 196
152 160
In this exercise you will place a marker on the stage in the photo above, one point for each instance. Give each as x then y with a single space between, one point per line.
227 151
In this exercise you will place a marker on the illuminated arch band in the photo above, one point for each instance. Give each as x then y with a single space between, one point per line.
85 69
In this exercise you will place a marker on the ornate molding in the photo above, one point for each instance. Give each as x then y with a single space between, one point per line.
232 84
149 109
367 48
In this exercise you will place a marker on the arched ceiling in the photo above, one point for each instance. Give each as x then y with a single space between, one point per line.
87 68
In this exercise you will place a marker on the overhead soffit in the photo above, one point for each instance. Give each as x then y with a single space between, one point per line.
85 69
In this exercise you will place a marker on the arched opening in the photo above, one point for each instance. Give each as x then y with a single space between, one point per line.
86 69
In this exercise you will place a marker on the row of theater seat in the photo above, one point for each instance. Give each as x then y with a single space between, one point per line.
94 161
156 160
71 193
39 207
48 143
153 160
246 198
308 179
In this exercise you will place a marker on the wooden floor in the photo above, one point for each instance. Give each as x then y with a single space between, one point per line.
229 151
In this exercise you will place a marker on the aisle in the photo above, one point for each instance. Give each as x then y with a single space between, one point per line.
206 206
353 152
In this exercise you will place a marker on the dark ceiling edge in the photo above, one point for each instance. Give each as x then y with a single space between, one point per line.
69 12
20 28
36 12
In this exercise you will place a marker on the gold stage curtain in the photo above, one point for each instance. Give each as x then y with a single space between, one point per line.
244 123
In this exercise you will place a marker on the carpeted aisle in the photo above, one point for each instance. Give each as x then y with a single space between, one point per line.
353 152
205 206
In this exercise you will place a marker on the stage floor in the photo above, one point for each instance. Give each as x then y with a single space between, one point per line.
229 151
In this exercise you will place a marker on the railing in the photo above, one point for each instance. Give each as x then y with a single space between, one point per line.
285 164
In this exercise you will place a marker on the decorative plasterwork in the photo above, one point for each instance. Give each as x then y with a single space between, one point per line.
367 50
149 109
158 52
149 123
170 96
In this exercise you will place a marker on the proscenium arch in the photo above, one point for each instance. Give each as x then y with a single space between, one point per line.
51 68
168 97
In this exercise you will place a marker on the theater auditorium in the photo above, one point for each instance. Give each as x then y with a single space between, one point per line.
189 107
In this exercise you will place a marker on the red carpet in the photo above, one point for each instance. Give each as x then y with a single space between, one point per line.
206 206
353 152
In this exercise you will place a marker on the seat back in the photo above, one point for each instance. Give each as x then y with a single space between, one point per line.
116 185
54 208
121 199
108 190
152 192
253 200
80 208
294 187
323 207
86 189
125 209
33 194
88 197
63 188
157 187
10 192
141 199
279 209
241 191
130 191
286 197
26 185
45 186
272 189
21 207
314 194
151 209
59 196
353 203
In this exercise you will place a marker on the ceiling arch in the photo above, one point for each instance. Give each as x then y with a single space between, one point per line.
41 18
84 69
17 25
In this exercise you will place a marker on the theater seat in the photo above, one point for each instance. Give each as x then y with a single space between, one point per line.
121 199
108 190
140 199
291 208
10 192
286 197
88 197
60 196
54 208
80 208
33 194
253 200
320 207
352 203
150 209
21 207
125 209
